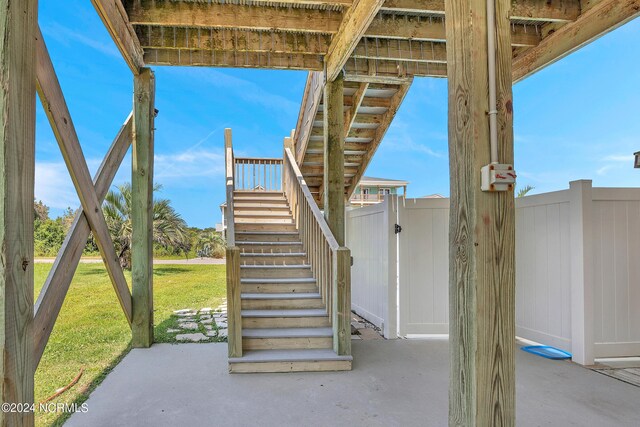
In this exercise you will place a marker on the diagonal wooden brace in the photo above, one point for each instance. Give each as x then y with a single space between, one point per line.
55 288
56 109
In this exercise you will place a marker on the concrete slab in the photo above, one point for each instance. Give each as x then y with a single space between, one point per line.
394 383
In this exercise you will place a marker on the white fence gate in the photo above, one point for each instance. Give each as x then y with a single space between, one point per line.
577 268
371 238
423 266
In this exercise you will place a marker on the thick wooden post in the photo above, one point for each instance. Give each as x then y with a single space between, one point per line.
234 309
142 209
18 25
334 157
341 321
482 224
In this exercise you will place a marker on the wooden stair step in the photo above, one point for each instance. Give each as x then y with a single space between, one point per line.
287 338
280 301
262 226
264 220
261 206
275 271
261 214
289 361
299 285
287 332
267 236
287 318
309 312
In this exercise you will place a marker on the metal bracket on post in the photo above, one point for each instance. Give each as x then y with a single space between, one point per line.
397 229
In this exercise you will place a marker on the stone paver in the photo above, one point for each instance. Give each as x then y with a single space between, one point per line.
191 337
192 326
211 321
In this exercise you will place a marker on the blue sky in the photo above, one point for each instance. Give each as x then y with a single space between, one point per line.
577 119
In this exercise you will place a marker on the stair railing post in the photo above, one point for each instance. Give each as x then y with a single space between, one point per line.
230 165
341 298
233 302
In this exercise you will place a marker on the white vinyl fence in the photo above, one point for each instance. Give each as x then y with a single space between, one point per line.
577 268
372 241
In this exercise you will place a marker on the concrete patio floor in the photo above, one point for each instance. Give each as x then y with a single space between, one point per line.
394 383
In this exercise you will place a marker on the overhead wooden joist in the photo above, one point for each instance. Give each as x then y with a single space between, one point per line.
225 39
235 59
211 14
525 10
428 28
599 19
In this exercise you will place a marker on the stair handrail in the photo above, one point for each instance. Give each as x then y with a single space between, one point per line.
315 210
234 303
230 183
330 263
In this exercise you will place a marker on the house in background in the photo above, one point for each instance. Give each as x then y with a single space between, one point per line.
222 225
372 190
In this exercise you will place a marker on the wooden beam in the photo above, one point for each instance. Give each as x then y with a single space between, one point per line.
144 88
115 18
57 112
433 29
524 10
234 59
604 16
401 50
55 288
311 100
352 112
482 224
380 131
18 24
207 15
388 72
225 39
355 23
334 152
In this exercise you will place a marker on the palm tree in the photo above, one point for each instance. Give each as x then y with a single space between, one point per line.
169 229
524 190
210 244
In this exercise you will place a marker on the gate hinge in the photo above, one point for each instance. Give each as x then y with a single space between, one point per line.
398 228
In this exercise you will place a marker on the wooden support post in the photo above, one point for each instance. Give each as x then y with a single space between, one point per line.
581 212
142 209
482 224
342 302
17 164
234 310
334 158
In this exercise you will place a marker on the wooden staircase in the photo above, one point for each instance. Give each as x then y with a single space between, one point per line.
285 325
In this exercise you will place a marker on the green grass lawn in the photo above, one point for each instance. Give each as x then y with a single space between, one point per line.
91 331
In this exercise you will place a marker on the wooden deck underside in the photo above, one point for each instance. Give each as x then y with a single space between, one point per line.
379 45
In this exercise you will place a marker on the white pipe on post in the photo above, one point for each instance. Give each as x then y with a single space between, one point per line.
491 58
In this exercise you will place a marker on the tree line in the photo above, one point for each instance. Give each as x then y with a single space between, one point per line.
171 235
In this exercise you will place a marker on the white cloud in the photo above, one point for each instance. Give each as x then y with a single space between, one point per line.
64 35
400 139
53 185
619 158
244 89
189 164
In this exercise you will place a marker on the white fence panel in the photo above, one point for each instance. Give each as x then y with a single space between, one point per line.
372 241
424 267
616 272
543 269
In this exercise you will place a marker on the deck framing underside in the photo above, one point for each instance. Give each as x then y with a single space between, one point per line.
379 45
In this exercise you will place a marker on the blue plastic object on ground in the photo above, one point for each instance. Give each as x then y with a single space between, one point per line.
547 352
